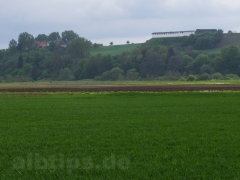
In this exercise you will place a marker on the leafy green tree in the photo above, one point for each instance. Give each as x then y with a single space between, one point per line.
54 37
111 43
104 63
132 74
91 68
79 47
200 60
206 68
217 76
231 59
12 45
41 37
191 78
68 36
128 42
152 65
206 42
186 60
218 64
26 40
66 74
204 76
79 71
113 75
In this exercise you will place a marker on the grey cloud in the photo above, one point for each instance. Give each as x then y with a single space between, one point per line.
104 19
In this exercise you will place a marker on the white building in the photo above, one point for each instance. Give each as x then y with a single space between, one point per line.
172 34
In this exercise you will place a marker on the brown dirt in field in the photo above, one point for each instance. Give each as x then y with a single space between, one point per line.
117 88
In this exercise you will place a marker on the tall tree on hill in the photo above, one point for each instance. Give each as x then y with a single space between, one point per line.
13 45
68 36
41 37
79 47
26 40
54 37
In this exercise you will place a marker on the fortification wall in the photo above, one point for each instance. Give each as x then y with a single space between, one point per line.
172 34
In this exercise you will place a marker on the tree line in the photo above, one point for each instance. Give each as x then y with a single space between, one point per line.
152 60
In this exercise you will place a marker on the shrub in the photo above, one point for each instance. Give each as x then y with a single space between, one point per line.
66 75
203 77
182 79
217 76
191 78
231 76
112 75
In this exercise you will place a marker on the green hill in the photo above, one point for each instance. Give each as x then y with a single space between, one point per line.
113 50
157 59
227 39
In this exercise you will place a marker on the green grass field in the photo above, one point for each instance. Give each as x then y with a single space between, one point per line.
113 50
120 135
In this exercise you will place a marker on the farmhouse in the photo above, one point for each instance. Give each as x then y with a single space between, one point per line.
181 33
40 44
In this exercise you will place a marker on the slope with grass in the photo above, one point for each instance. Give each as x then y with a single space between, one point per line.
228 39
113 50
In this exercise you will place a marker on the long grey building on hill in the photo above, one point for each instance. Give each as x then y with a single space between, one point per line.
181 33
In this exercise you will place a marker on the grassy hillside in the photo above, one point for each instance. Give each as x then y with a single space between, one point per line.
113 50
228 39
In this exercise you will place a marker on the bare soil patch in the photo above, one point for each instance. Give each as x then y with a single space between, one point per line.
118 88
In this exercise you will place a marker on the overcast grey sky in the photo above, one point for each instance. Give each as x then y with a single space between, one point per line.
103 21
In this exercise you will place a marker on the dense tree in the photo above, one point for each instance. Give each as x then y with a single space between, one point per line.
54 37
113 75
200 60
132 74
231 59
152 66
66 74
41 37
68 36
12 45
79 47
185 62
111 43
25 40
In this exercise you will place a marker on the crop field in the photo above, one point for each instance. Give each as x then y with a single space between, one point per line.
123 135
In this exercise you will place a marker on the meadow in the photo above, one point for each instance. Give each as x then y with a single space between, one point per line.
178 135
113 50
